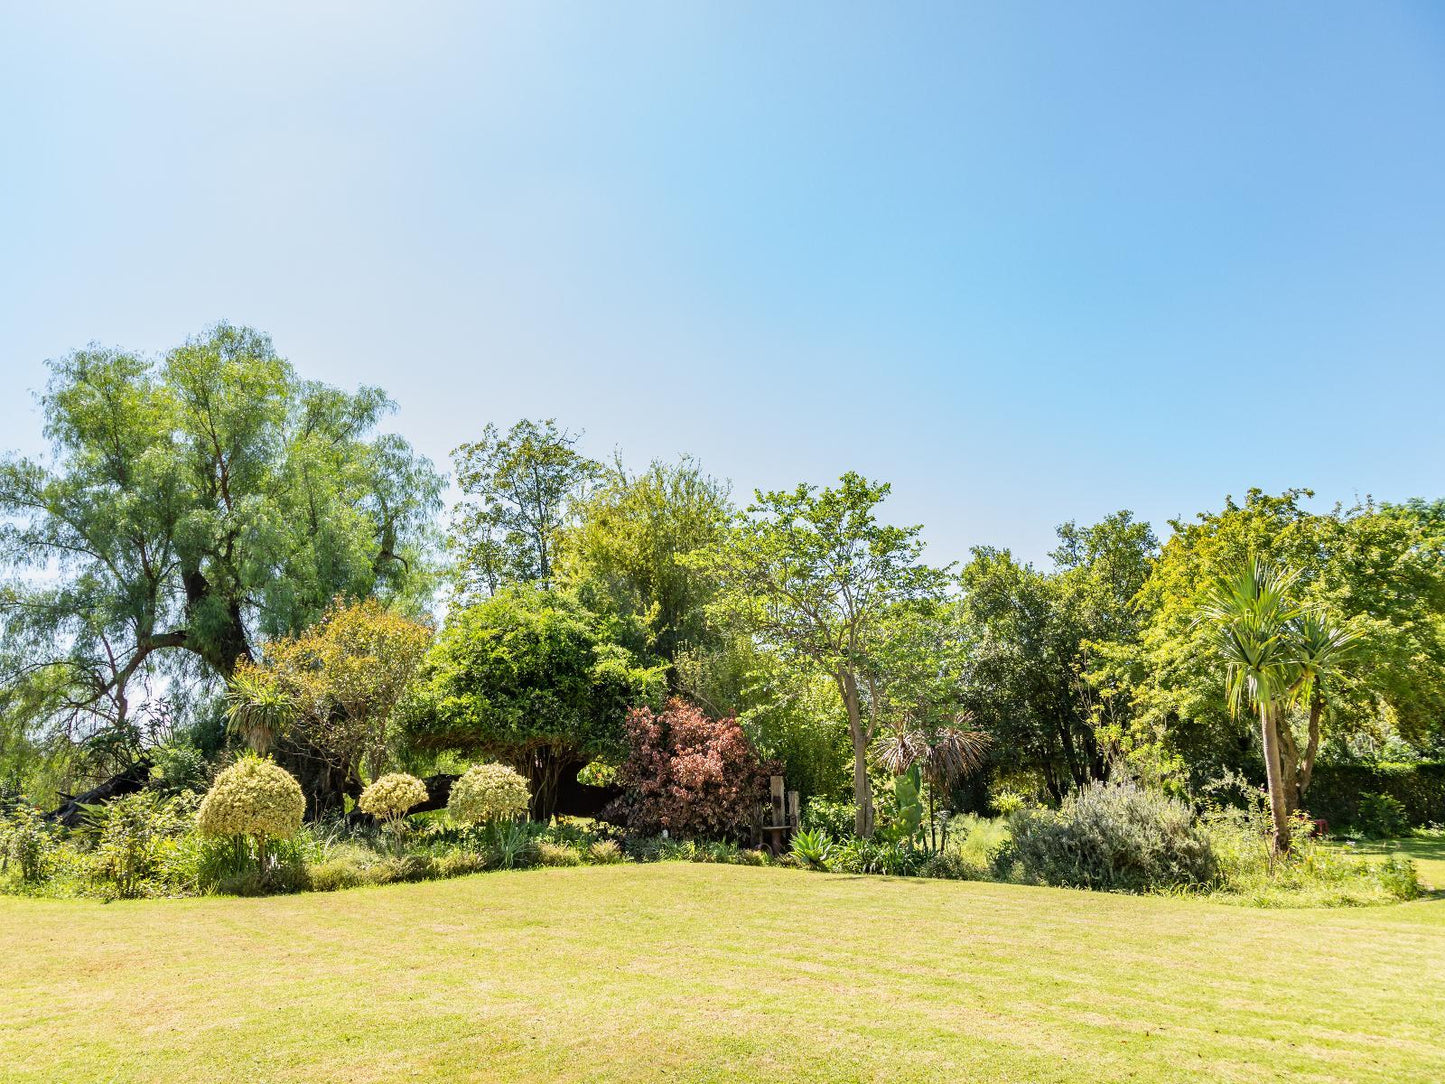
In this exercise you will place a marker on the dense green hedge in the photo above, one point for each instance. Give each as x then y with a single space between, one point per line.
1336 788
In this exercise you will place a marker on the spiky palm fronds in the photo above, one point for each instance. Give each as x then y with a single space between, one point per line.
955 753
258 709
944 756
1251 613
1320 648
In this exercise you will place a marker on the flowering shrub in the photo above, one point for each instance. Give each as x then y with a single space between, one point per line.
689 774
253 797
391 796
488 792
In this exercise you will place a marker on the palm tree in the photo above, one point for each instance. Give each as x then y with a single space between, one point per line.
258 709
1252 617
943 756
1321 649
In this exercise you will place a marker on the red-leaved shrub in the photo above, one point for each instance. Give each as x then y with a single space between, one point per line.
694 776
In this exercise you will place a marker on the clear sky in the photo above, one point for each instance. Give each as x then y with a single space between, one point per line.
1029 262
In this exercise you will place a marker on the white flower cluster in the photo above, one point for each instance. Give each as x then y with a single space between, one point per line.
253 797
488 792
392 795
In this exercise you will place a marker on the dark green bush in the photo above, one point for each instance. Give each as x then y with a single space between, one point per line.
1380 816
834 818
1337 789
950 866
1116 836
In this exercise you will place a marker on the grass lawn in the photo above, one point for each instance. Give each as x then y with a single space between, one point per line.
1428 853
694 972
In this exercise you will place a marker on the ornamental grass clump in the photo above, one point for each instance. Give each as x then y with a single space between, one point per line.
488 793
252 799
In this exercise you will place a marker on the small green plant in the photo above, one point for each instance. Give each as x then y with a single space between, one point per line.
507 843
604 852
26 842
557 854
907 824
812 849
1398 877
1381 816
1008 802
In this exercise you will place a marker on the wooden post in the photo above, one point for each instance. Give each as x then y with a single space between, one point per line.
779 811
795 813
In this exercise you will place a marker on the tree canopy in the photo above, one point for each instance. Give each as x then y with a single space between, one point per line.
193 506
815 575
533 678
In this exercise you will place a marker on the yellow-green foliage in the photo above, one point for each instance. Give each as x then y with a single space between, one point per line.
488 792
253 797
557 854
604 852
392 795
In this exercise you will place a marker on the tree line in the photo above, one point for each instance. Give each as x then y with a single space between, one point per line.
219 550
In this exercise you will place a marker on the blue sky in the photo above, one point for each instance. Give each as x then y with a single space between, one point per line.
1029 262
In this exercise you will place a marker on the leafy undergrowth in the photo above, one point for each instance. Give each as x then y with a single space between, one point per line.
147 847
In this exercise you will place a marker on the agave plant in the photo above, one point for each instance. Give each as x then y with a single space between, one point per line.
812 849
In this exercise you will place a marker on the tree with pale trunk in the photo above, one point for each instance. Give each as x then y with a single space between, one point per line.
813 574
1277 655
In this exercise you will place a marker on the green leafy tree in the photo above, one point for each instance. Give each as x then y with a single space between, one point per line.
534 679
520 490
192 507
627 543
330 694
814 575
1022 684
1378 570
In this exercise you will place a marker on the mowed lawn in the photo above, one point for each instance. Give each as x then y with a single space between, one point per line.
695 972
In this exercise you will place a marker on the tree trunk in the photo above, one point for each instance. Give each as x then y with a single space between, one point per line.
1312 745
1269 733
1289 765
862 789
543 769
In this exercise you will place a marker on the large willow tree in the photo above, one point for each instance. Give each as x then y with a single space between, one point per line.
191 507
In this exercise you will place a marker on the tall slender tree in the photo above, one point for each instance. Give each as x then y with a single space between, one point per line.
521 489
815 575
1251 615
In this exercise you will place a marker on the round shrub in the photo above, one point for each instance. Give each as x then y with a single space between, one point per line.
391 796
488 792
1118 836
253 797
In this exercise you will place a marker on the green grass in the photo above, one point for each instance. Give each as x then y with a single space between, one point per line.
1428 851
682 971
